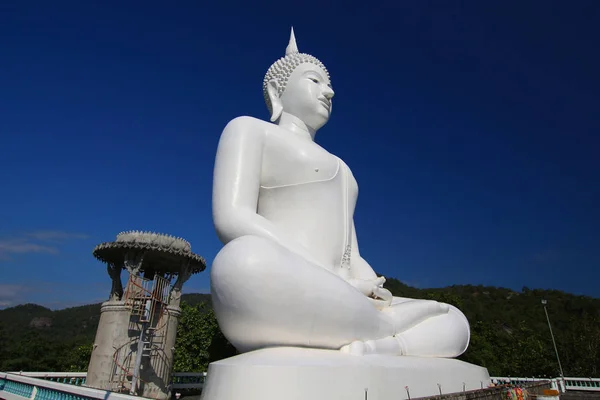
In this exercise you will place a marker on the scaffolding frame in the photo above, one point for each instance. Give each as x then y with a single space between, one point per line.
148 300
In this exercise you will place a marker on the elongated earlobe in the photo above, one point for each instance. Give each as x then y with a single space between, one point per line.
276 106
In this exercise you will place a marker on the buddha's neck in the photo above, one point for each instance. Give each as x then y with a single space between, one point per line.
296 126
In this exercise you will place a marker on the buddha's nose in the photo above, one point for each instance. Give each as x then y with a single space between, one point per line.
328 93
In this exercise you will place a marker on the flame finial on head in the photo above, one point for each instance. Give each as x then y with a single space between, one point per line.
292 47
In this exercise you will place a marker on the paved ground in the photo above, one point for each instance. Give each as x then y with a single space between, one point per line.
197 397
570 395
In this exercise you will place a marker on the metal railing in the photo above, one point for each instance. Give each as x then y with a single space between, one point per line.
588 384
70 378
560 384
188 380
19 387
179 380
556 383
195 380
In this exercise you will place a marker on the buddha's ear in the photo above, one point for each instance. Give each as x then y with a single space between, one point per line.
276 106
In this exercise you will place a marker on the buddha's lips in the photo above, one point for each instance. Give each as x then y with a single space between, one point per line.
326 103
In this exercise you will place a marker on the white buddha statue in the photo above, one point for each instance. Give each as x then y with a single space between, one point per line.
290 273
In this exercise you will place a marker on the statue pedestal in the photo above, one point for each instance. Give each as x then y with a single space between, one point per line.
299 373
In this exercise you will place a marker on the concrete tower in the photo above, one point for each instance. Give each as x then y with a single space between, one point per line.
134 346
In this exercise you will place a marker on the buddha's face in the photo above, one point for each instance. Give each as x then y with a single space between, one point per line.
308 95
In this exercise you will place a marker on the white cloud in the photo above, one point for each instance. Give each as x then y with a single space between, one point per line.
10 294
37 242
11 290
53 295
55 236
21 246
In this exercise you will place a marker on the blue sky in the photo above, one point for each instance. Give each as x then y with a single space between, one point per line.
471 127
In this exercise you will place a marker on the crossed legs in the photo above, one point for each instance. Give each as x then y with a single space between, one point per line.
266 296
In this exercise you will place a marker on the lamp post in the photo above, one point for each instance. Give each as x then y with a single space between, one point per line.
544 302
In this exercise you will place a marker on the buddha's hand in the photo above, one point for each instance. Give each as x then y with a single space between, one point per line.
373 288
367 286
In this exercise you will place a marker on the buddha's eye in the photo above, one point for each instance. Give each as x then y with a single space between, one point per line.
315 80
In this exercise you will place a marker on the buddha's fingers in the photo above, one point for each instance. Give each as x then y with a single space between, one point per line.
384 294
410 313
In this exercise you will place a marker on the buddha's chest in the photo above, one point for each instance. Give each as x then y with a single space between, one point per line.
292 161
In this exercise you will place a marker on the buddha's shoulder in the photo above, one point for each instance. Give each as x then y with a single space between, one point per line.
248 125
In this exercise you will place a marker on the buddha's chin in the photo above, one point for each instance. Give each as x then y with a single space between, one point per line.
325 110
316 119
318 125
320 119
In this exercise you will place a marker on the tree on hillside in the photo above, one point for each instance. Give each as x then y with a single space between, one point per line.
482 350
78 359
580 345
509 332
510 351
4 353
445 297
199 339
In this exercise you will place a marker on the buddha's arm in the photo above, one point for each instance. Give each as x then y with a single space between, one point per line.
364 278
236 186
360 267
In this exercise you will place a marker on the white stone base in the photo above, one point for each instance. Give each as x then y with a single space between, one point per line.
310 374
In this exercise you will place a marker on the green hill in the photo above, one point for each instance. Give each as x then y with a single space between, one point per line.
509 336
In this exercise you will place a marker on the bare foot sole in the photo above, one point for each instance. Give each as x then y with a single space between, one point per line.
356 348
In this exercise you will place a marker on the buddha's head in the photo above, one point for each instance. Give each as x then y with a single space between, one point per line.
299 84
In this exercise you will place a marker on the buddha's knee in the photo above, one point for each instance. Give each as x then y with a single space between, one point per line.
251 291
459 332
242 257
445 335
